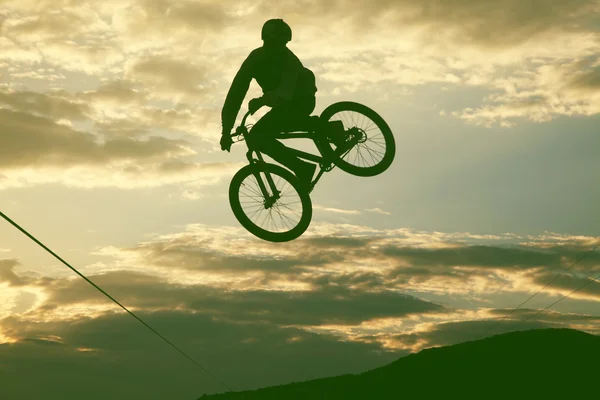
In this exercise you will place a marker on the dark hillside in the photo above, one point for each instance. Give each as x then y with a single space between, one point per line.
541 363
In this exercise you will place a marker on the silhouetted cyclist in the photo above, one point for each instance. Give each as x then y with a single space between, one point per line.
288 88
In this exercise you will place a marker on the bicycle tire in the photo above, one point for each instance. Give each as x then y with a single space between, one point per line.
390 143
238 211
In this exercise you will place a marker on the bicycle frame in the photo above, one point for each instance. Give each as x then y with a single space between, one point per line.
325 163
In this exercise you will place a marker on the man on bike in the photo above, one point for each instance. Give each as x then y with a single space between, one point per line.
288 88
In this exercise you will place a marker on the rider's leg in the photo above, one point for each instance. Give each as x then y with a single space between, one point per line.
274 121
333 130
280 153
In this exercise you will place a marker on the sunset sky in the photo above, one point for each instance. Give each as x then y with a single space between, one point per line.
109 154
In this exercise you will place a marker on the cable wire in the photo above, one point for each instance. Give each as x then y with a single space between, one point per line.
548 284
110 297
564 297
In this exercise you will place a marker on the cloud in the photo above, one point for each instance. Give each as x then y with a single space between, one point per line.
326 304
499 24
218 292
132 357
556 240
488 23
40 74
244 322
56 105
508 47
586 81
451 265
487 269
114 109
13 52
39 150
125 107
315 303
92 59
118 92
450 333
475 256
39 141
8 275
128 176
336 210
580 285
540 95
378 211
167 22
419 332
188 51
169 74
48 24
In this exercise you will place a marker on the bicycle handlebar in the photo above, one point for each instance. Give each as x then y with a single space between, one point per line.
241 127
243 123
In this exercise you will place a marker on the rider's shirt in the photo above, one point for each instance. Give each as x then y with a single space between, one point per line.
276 73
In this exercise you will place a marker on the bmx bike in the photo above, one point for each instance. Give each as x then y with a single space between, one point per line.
260 191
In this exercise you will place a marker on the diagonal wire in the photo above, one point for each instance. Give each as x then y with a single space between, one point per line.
110 297
548 284
564 297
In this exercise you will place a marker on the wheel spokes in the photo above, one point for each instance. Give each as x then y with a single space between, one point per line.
369 152
282 216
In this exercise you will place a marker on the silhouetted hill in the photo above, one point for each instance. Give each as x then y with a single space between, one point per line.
534 364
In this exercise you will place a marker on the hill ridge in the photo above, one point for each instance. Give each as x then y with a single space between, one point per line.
508 363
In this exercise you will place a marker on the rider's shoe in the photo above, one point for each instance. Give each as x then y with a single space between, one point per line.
335 132
305 173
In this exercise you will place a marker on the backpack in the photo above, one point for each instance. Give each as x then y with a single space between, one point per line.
307 82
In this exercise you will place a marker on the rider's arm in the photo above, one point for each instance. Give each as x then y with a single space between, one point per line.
235 96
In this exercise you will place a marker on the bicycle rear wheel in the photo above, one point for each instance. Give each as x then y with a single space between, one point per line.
370 140
285 219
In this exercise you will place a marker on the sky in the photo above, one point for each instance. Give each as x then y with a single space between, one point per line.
109 155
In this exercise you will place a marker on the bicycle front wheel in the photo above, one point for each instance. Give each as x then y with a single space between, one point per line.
281 216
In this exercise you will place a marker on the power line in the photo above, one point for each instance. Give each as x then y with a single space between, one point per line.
548 284
110 297
564 297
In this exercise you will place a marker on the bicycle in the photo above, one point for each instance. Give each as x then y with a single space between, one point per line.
267 194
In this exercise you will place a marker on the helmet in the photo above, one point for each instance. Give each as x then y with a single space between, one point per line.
276 29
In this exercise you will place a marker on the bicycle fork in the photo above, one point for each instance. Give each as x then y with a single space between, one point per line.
269 199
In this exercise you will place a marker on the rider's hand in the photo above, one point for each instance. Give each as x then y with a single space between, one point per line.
255 104
270 98
226 141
